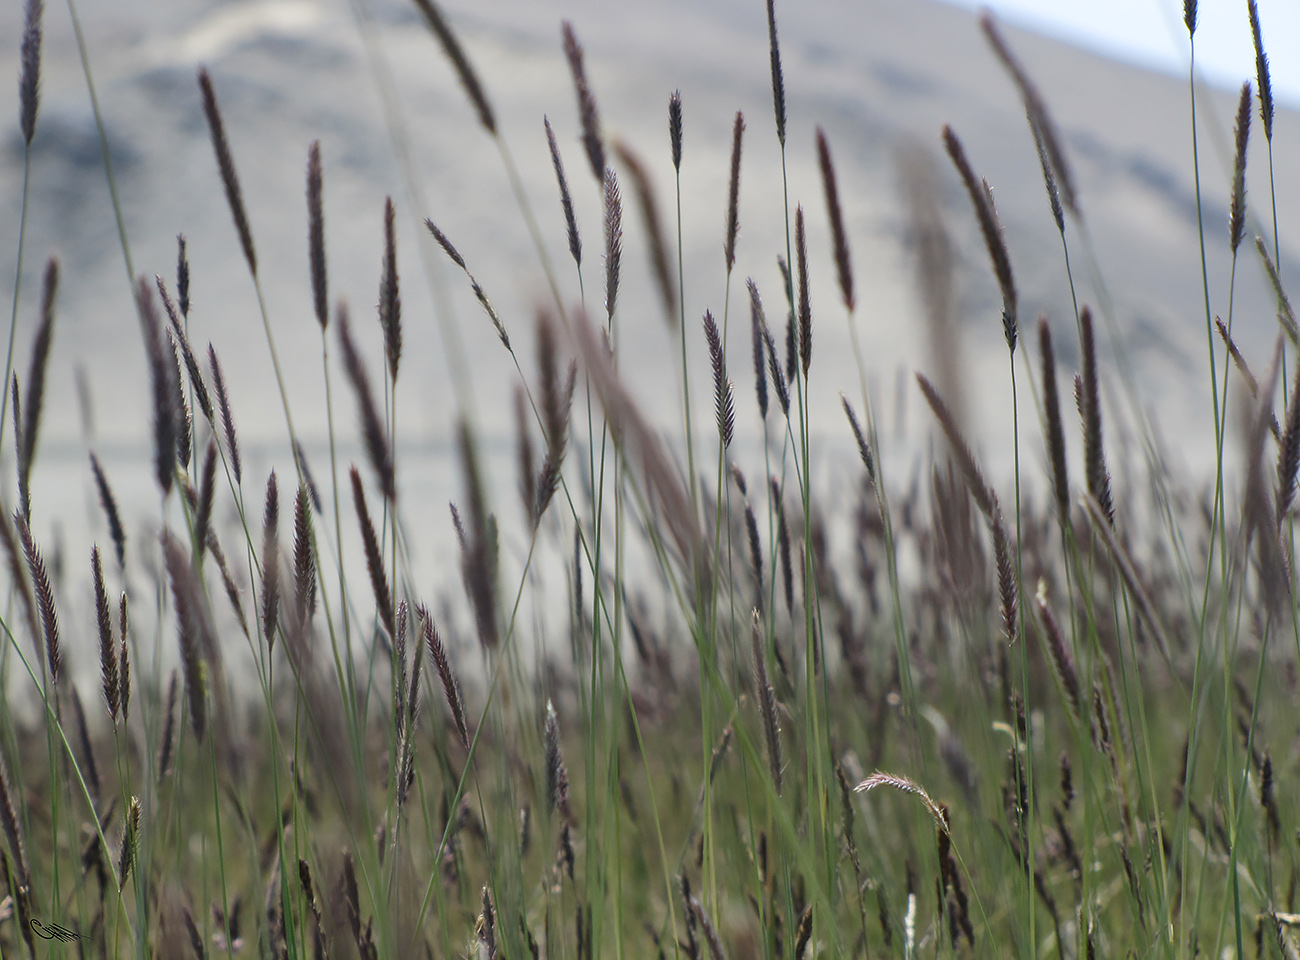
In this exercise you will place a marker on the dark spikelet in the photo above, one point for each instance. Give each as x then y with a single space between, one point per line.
1189 16
1008 591
733 192
184 418
207 490
399 668
1241 137
1288 454
839 236
479 549
1262 78
12 825
1049 180
24 492
304 558
613 241
390 303
88 766
130 836
227 420
758 324
1103 524
182 275
36 371
29 77
196 939
591 139
316 236
658 246
44 597
1286 316
107 648
123 660
374 559
191 622
447 246
691 947
372 427
182 343
1062 661
755 554
557 401
271 562
313 491
450 685
766 702
711 936
778 375
778 77
166 746
864 448
18 573
960 450
805 294
487 926
524 448
226 165
227 581
566 200
982 198
1088 397
162 374
557 778
1052 421
783 544
109 503
803 932
723 402
675 127
464 70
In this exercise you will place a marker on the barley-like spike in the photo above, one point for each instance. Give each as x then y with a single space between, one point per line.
182 343
658 246
778 77
390 304
162 375
692 949
29 78
566 201
1241 137
591 139
107 648
271 562
304 558
89 767
961 452
613 241
316 236
524 451
766 702
724 405
184 418
399 669
24 493
232 591
44 597
906 785
864 448
733 192
450 685
778 375
372 427
207 490
487 926
129 837
165 748
557 778
123 661
227 420
791 348
755 554
805 294
374 559
1061 661
839 235
447 247
479 558
226 166
1049 180
557 402
190 622
1261 72
1288 454
1286 317
109 503
711 936
675 127
182 275
12 825
783 544
758 324
1089 401
1189 16
433 16
1052 423
36 369
1008 590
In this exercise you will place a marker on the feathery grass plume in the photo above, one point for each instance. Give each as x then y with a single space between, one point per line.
658 246
182 343
557 401
109 503
711 936
982 199
758 325
107 649
183 275
959 449
450 685
1262 79
207 490
374 559
1286 317
557 777
566 201
1241 137
723 401
88 767
184 416
839 236
1049 181
123 661
227 420
1088 397
130 837
1008 589
778 77
433 16
778 375
304 558
372 427
13 826
1052 421
805 293
271 562
864 449
29 77
766 702
1103 523
733 192
783 544
44 597
1189 16
162 373
226 165
191 622
316 236
390 304
1055 166
524 449
907 785
1059 652
591 139
483 300
165 747
36 372
675 127
613 241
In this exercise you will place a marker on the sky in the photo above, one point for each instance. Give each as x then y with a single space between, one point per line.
1151 33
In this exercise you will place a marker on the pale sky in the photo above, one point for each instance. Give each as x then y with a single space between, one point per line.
1151 33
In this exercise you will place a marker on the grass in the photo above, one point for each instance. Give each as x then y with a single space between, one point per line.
1067 731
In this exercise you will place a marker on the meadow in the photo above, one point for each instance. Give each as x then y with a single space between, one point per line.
717 705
